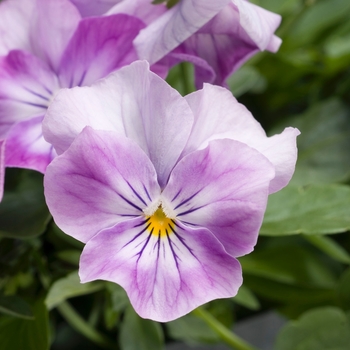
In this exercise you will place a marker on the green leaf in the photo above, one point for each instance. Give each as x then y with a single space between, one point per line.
192 330
137 333
18 334
323 144
330 247
69 287
314 209
246 297
319 329
289 264
316 19
343 290
71 256
23 211
15 306
246 79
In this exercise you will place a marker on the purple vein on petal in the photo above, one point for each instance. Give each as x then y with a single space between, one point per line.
188 199
176 195
129 202
181 239
190 210
28 103
135 192
176 257
82 78
138 234
37 94
144 246
149 197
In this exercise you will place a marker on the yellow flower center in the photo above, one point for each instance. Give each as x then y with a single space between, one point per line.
159 223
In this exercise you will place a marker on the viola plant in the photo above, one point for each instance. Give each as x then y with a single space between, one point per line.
46 45
216 36
165 191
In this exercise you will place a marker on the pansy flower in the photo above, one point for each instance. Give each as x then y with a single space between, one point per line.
165 191
46 45
216 36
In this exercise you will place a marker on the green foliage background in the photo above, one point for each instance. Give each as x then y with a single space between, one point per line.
300 266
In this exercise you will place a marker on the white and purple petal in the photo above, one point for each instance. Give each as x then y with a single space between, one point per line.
26 147
26 88
98 46
15 25
174 27
167 276
52 25
132 101
218 115
94 8
223 188
102 179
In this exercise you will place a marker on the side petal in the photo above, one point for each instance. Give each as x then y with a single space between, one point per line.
98 46
26 87
218 115
224 188
100 180
94 8
14 25
164 277
142 9
26 147
132 101
52 26
174 27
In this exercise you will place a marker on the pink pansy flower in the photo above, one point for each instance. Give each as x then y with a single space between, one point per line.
46 45
217 36
166 191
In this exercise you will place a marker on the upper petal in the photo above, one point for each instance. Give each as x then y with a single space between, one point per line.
26 87
218 115
14 25
100 180
164 277
224 188
95 7
52 25
175 26
98 46
132 101
26 147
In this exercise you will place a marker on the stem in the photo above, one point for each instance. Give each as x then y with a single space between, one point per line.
79 324
225 334
185 73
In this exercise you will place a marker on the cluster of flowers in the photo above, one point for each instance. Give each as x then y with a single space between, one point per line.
166 191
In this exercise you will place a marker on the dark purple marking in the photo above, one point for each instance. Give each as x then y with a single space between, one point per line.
176 195
136 194
37 94
130 203
142 249
176 258
149 197
190 211
181 239
82 78
29 103
138 234
188 199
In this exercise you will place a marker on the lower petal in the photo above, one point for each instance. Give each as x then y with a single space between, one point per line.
167 276
26 147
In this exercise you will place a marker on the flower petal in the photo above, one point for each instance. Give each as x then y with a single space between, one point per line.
53 24
26 87
174 27
224 188
94 8
100 180
14 25
164 277
132 101
218 115
26 147
98 46
142 9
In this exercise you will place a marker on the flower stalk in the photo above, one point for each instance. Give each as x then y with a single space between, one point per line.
225 334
